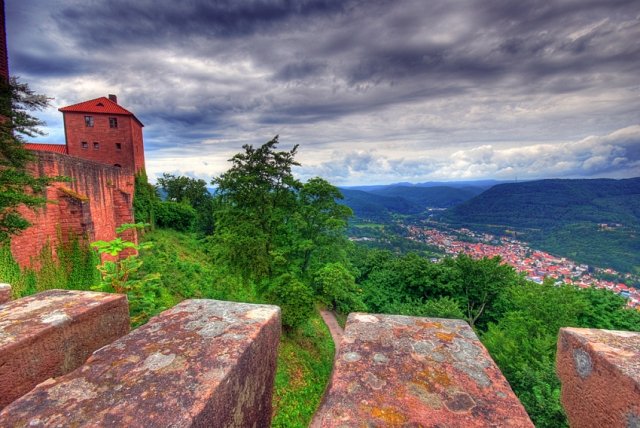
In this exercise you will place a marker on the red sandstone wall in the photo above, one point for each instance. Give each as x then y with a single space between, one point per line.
4 63
107 138
100 199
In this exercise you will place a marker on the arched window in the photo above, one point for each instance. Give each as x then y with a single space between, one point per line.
117 165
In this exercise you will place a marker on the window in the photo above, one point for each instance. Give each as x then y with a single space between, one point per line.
113 122
88 121
96 146
118 146
85 145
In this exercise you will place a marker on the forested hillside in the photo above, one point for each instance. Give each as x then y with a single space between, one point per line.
550 203
378 203
591 221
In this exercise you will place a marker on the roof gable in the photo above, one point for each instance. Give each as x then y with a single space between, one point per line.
99 105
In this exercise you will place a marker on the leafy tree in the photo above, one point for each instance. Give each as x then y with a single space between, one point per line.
18 187
294 297
522 339
256 199
478 283
193 192
337 288
322 224
174 215
184 189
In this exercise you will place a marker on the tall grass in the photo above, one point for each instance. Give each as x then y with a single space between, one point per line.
73 269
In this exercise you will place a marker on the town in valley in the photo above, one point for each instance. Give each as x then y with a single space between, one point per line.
535 264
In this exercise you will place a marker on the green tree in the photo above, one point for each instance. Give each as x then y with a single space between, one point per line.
337 288
294 297
522 339
18 187
175 215
322 224
192 192
256 199
477 285
120 273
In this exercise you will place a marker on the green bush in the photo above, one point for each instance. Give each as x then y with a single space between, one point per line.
294 298
175 215
336 287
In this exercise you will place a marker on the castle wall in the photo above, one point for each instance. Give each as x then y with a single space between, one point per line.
97 199
4 63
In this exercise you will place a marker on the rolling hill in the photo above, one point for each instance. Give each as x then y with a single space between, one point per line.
565 217
379 202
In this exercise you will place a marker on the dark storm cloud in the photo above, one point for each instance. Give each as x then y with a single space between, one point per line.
146 21
406 79
40 64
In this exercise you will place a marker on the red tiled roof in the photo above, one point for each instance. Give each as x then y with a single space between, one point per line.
99 105
55 148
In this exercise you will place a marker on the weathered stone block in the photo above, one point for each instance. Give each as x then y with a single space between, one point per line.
52 333
409 371
5 293
600 375
201 363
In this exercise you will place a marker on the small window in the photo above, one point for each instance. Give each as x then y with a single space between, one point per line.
113 122
88 121
96 146
118 146
85 145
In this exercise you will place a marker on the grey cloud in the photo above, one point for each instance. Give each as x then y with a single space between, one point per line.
147 20
423 75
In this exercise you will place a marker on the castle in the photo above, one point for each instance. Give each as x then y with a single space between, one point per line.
104 150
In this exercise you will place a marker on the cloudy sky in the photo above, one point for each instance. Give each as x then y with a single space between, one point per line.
374 91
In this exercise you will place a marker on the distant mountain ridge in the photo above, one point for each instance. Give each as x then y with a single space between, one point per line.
484 184
595 221
548 203
379 202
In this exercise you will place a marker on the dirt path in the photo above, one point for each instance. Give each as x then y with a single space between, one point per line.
330 320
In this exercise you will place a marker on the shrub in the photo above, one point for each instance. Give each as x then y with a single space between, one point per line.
175 215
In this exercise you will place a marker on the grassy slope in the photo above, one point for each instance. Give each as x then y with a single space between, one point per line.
305 360
305 357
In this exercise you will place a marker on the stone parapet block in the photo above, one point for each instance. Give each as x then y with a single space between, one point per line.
52 333
5 293
600 375
408 371
201 363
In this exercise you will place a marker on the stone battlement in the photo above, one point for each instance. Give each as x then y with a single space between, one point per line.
408 371
600 375
52 333
212 363
201 363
